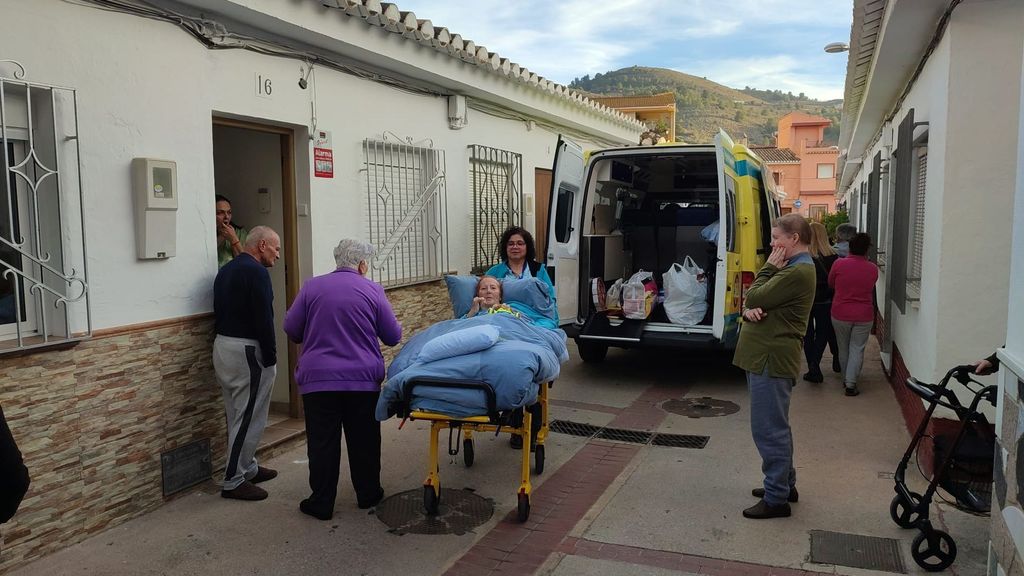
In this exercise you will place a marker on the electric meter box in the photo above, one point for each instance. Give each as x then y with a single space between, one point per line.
155 188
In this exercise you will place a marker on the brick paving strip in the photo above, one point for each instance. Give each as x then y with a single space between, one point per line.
566 497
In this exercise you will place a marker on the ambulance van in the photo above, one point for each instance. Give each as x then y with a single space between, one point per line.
622 210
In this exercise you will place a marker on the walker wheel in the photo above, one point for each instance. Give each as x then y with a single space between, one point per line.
904 514
468 456
538 459
431 499
933 550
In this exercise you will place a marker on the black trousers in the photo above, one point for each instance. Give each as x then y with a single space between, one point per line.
820 333
14 480
327 414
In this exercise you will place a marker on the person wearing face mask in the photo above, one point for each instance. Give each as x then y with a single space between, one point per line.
853 311
775 313
340 319
488 295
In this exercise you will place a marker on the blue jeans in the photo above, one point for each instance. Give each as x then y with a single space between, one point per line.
769 425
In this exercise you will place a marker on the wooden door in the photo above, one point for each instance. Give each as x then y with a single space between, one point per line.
542 203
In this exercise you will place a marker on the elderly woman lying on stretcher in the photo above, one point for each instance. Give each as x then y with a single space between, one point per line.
513 349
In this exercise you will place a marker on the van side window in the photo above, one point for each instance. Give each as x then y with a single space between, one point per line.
730 214
563 212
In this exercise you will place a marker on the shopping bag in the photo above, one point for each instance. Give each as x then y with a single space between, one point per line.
638 295
685 293
613 298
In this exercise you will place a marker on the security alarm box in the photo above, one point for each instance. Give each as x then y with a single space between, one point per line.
155 188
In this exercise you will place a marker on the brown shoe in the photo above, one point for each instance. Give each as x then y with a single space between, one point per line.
263 474
763 510
245 491
794 496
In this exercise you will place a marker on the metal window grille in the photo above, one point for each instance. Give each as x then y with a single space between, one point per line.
917 241
497 180
44 294
407 205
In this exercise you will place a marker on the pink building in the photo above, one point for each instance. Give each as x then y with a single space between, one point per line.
802 165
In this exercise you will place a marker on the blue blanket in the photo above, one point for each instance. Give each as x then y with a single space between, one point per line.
524 356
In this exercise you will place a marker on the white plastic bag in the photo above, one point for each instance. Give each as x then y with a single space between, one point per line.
710 232
638 295
613 298
685 293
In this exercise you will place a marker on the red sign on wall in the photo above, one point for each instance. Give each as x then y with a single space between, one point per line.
323 163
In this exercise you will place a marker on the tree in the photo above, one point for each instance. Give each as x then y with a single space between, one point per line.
832 221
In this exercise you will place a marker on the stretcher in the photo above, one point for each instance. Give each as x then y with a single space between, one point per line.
466 426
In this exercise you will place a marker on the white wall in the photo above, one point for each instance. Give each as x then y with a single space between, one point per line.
146 88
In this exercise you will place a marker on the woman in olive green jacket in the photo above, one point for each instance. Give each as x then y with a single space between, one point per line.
775 315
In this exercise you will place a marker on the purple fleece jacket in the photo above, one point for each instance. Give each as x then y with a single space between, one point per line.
338 318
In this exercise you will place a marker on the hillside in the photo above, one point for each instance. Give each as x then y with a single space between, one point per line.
703 106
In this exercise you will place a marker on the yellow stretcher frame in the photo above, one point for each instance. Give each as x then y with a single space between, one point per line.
468 425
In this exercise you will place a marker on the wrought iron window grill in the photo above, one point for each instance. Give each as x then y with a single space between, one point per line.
407 206
44 289
496 177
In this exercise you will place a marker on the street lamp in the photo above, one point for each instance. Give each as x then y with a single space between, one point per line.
836 47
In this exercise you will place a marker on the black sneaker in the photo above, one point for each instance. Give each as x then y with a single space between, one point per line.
307 508
263 474
373 501
763 511
516 442
815 377
852 390
245 491
835 366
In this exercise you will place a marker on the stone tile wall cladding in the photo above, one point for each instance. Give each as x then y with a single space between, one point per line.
93 420
1009 479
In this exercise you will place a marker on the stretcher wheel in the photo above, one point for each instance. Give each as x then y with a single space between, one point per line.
523 512
468 456
431 499
538 459
903 513
933 550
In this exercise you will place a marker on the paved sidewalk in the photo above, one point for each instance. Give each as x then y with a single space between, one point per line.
600 508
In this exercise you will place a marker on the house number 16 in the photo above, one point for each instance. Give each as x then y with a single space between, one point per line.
264 87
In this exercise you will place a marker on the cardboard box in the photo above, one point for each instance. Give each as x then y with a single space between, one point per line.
604 219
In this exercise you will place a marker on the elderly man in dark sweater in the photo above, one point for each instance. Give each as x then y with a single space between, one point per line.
245 358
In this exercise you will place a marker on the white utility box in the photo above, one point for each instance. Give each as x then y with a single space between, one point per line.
155 188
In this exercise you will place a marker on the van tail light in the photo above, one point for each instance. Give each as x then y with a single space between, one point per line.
746 279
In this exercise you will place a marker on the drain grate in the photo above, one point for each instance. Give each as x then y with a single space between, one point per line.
703 407
632 436
856 551
573 428
459 512
622 435
680 441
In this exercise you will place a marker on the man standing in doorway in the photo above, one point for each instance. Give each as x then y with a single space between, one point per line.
245 358
230 237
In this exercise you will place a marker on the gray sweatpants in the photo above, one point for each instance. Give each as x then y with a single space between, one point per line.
851 337
246 385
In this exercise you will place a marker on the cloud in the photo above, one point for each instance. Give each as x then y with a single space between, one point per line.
571 38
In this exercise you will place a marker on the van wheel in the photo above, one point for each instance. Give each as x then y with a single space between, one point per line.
593 353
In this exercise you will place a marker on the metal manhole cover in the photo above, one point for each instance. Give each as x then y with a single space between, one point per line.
460 511
856 551
703 407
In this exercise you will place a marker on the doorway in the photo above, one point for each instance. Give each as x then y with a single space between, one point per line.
542 202
254 167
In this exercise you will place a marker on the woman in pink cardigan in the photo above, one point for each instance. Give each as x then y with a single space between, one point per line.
853 311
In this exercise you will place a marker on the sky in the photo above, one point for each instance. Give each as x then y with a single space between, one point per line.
764 44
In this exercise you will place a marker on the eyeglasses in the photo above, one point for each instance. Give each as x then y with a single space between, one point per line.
519 243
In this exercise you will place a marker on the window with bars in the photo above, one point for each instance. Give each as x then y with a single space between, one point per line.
406 212
44 296
818 212
496 177
917 224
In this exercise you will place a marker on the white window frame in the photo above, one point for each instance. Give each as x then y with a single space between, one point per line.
29 324
831 170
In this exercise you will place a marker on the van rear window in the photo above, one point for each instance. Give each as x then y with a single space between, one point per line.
563 212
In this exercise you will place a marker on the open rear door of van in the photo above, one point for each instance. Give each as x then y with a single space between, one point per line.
726 231
564 228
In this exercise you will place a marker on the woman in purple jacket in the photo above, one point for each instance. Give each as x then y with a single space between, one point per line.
339 318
